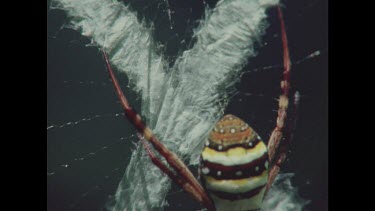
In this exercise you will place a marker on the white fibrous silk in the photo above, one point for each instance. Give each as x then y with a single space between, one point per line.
182 103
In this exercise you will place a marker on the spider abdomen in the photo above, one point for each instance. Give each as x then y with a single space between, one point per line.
234 165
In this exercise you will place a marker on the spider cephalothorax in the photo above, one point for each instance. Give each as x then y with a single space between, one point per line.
234 165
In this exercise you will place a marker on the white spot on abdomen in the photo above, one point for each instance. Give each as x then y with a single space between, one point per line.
205 170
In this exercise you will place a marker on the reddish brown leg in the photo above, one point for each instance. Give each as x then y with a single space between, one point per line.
277 158
283 149
187 180
175 178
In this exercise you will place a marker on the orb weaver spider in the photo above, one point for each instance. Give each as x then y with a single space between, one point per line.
236 168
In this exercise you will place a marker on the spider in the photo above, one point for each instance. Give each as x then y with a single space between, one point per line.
236 167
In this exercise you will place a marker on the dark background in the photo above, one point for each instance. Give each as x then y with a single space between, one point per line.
86 161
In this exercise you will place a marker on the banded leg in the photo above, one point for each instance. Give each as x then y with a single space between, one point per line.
277 133
187 180
283 149
175 178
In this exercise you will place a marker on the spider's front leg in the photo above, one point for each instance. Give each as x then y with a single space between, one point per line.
276 150
182 175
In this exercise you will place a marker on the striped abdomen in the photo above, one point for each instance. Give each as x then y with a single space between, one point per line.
234 166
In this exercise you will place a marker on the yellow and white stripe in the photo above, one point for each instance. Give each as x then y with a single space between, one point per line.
234 156
237 185
252 203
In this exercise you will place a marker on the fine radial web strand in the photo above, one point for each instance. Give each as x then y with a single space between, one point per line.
89 155
85 119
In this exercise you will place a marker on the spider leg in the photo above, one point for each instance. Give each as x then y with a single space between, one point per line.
277 133
175 178
281 156
187 179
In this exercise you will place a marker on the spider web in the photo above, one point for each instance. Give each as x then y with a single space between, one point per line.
184 113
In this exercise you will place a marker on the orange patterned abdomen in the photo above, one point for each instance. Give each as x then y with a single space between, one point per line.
234 165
